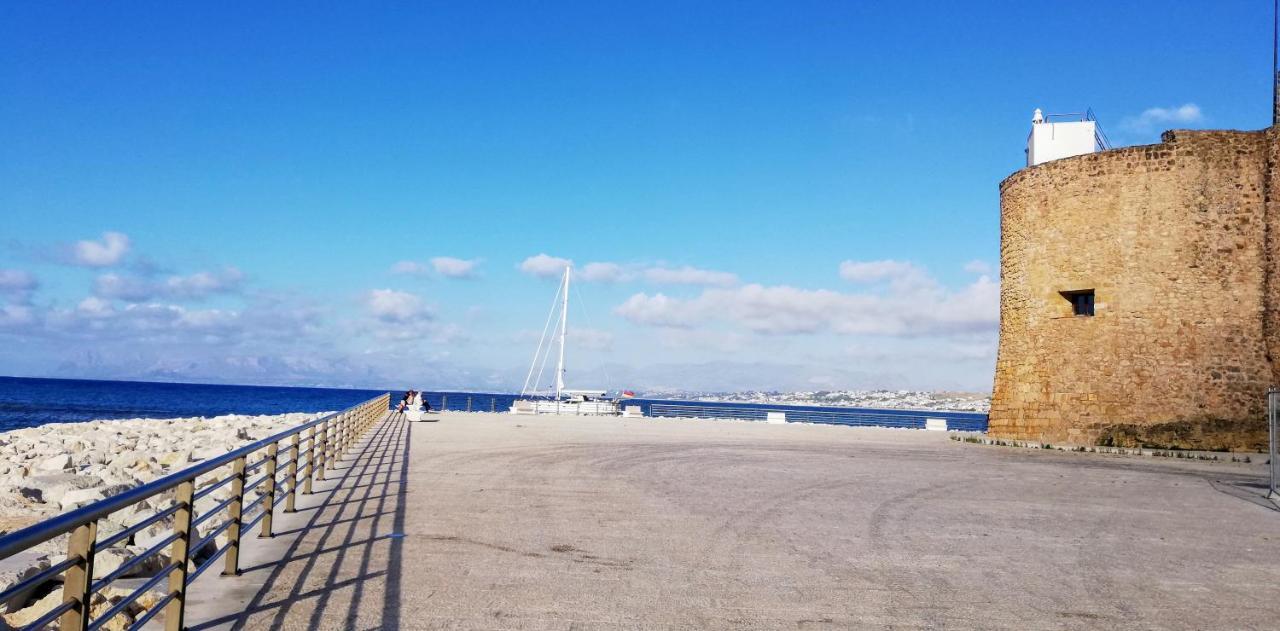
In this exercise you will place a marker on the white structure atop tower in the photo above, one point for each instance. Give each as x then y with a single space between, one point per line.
1051 140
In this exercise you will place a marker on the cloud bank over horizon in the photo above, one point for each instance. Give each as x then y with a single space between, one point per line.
220 324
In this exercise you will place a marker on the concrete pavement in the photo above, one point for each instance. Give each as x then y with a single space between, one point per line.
492 521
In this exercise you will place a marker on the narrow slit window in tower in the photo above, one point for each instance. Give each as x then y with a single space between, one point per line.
1081 301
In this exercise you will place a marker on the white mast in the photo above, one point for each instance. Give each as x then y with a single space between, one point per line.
564 329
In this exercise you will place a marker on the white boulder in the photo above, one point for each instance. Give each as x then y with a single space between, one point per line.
60 462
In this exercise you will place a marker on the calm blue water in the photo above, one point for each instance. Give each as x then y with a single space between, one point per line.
30 402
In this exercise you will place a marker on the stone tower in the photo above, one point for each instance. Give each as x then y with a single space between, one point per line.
1139 294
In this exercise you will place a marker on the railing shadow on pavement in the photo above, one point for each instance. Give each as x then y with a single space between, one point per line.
351 542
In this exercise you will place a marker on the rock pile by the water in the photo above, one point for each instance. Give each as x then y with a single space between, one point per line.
59 467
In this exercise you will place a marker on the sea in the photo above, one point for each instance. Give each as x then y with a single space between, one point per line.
31 402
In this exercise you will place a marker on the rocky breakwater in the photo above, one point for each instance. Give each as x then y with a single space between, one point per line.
55 468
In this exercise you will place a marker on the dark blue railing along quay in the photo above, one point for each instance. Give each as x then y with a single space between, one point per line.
964 421
327 439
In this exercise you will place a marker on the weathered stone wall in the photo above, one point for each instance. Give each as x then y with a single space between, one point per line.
1173 239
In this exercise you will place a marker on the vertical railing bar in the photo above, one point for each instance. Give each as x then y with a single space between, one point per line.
290 502
234 514
79 578
340 448
330 448
350 432
273 463
311 460
320 450
180 553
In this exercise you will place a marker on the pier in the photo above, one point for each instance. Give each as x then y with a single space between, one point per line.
482 520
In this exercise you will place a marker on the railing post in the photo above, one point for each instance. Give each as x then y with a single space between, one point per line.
468 404
444 402
331 447
290 503
79 579
269 504
180 555
338 436
348 430
320 449
234 513
311 459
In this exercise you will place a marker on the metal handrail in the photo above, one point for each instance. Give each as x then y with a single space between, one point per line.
853 416
337 433
36 534
134 529
203 493
39 577
132 563
125 602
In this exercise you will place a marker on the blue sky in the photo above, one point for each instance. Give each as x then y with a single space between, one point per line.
783 195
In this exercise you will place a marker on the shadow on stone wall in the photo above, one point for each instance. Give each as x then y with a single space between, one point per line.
1207 435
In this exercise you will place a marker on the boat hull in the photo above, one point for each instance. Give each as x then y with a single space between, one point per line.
567 408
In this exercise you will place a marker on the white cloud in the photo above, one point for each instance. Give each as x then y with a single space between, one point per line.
104 253
874 271
544 266
95 307
659 310
120 287
602 272
395 307
915 305
690 276
705 340
97 321
446 266
204 283
15 316
977 267
17 282
1151 118
195 286
409 268
606 272
590 339
450 267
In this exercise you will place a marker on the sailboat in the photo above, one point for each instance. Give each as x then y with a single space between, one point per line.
563 400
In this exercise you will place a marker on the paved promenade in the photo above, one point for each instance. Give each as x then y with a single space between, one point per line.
483 521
